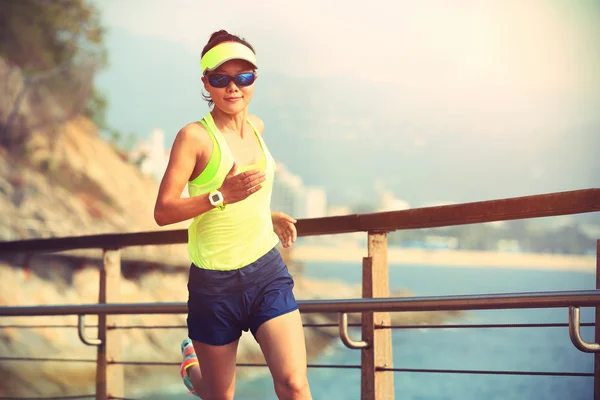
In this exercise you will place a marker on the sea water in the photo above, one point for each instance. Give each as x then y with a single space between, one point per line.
498 349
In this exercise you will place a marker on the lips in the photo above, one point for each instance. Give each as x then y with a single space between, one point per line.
233 99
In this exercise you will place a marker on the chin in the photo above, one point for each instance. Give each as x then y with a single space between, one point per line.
232 108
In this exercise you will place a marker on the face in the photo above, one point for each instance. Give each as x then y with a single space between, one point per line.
231 99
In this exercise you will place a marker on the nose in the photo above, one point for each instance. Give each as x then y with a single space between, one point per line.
232 87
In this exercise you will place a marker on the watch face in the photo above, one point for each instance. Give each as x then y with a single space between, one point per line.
215 198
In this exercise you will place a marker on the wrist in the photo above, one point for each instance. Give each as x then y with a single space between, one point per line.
217 199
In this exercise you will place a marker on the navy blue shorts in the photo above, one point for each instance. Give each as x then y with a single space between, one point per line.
223 303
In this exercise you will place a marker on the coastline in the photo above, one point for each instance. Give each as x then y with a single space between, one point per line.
450 258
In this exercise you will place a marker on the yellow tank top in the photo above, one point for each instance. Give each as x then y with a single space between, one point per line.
241 233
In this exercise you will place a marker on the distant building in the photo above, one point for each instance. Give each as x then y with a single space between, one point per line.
335 210
316 202
508 246
292 197
151 155
288 193
390 203
441 242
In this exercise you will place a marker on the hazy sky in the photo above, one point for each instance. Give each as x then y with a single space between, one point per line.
527 71
452 57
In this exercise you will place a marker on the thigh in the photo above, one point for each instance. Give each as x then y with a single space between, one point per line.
217 364
214 319
282 342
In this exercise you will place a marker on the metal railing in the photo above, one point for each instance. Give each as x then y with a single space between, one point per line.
375 345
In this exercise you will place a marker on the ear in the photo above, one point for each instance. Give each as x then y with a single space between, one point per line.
205 82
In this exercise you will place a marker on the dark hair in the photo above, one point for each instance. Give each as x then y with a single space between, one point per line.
224 36
217 38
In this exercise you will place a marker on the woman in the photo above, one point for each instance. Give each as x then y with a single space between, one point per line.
238 280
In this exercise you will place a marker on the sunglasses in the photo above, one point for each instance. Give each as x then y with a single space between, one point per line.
222 81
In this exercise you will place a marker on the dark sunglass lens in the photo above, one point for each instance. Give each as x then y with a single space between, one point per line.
244 79
218 80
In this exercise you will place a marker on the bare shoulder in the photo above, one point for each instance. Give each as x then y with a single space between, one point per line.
256 121
192 132
193 136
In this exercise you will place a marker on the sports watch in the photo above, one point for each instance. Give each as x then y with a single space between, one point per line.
216 199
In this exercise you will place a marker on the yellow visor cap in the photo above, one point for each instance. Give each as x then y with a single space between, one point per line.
224 52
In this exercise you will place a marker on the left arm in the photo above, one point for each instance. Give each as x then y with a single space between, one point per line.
283 224
284 227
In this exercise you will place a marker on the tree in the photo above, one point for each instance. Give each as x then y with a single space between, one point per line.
58 45
38 35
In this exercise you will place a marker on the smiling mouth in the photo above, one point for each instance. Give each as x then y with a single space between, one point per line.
233 98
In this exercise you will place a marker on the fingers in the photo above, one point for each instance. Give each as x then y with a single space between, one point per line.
252 178
287 235
283 238
294 233
254 189
288 218
285 217
242 185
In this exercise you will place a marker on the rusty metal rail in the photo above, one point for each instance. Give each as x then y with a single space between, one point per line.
376 346
571 299
582 298
537 206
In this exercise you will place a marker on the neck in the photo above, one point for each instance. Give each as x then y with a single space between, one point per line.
230 122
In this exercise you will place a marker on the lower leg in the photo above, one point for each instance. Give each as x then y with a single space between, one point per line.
195 375
213 376
190 370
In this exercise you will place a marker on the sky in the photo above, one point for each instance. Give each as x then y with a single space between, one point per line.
493 52
520 75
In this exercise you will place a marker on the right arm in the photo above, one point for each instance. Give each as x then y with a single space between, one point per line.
170 208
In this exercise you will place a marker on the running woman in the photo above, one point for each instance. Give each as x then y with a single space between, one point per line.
238 280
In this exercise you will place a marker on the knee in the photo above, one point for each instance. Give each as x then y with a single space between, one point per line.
294 384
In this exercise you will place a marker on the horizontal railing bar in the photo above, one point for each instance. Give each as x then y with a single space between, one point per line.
157 327
333 366
483 372
83 396
481 326
336 366
536 206
47 359
166 363
453 326
154 363
161 363
584 298
104 241
581 298
330 325
23 326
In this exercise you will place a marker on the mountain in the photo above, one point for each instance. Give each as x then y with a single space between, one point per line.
352 136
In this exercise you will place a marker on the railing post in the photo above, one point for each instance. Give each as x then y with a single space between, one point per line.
109 377
597 333
376 385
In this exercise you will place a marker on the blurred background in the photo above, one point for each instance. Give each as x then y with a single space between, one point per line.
378 106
